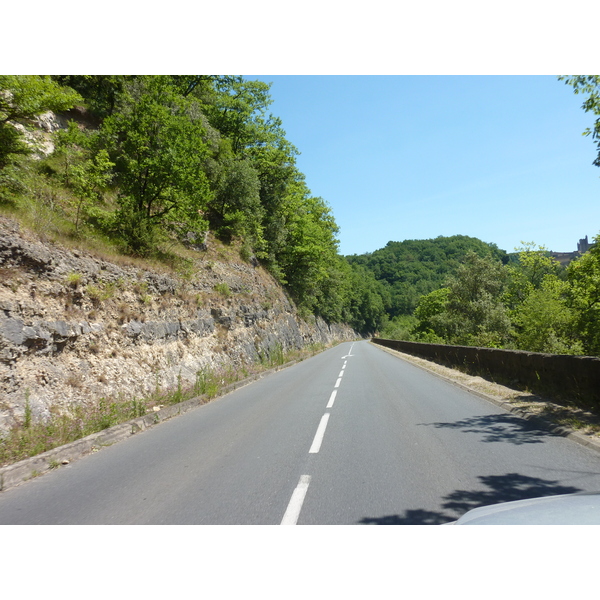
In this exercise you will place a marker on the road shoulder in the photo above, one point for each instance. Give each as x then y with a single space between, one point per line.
578 425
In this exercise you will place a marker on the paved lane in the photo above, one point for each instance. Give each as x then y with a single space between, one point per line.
353 435
235 460
406 447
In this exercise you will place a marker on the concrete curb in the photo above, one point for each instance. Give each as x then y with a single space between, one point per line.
561 430
29 468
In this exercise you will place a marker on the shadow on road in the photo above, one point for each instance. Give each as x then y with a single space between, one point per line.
499 428
500 488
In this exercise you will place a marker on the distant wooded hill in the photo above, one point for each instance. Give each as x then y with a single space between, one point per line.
413 268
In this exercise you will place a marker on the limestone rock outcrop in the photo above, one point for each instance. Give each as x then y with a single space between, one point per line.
75 327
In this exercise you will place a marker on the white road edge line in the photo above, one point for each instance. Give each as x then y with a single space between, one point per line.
295 506
316 445
331 399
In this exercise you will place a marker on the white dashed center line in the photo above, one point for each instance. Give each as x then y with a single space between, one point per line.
295 506
316 445
331 399
292 512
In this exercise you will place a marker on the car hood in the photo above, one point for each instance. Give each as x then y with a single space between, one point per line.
569 509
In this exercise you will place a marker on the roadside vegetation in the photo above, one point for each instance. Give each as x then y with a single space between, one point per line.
32 437
147 166
529 302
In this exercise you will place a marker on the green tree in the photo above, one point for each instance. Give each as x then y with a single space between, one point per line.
475 314
87 169
590 85
100 91
402 327
528 272
432 315
279 182
202 87
22 98
89 180
475 301
156 140
583 276
238 110
536 296
544 322
72 147
235 208
310 246
251 154
367 300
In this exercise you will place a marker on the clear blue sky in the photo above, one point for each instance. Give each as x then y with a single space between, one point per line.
501 158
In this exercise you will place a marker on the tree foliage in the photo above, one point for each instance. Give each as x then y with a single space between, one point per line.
530 304
583 276
188 153
590 85
22 98
155 139
544 322
528 273
183 154
413 268
471 311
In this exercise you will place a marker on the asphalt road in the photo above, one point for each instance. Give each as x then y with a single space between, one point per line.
354 435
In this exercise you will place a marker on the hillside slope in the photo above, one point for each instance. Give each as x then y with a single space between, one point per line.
413 268
75 327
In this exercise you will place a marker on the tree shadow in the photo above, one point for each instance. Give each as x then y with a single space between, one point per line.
500 488
499 428
410 517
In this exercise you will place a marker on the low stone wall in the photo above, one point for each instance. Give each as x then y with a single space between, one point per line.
561 377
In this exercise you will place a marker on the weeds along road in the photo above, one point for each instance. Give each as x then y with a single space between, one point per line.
351 436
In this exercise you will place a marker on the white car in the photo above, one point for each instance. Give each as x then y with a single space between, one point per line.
582 508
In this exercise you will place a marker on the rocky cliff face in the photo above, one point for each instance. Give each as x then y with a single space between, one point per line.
75 327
